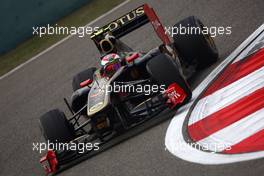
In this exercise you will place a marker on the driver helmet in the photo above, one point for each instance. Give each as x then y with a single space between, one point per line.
110 63
110 58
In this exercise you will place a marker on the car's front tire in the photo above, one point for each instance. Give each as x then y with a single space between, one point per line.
164 71
79 96
56 128
82 76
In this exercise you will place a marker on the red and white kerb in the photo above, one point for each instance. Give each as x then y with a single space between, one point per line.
231 110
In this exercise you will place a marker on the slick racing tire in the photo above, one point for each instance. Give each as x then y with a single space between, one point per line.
82 76
194 47
55 127
164 71
79 99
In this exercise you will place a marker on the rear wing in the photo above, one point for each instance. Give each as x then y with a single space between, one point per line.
130 22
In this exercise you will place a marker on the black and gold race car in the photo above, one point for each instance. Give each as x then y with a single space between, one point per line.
130 92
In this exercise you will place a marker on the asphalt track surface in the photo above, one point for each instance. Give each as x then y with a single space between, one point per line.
41 85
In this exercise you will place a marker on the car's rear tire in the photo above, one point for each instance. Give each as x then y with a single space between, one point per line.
82 76
195 47
164 71
55 127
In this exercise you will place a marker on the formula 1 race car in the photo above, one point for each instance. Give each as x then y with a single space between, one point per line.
130 89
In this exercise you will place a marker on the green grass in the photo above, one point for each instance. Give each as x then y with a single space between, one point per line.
35 45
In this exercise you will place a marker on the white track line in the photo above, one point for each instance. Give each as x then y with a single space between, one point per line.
61 41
